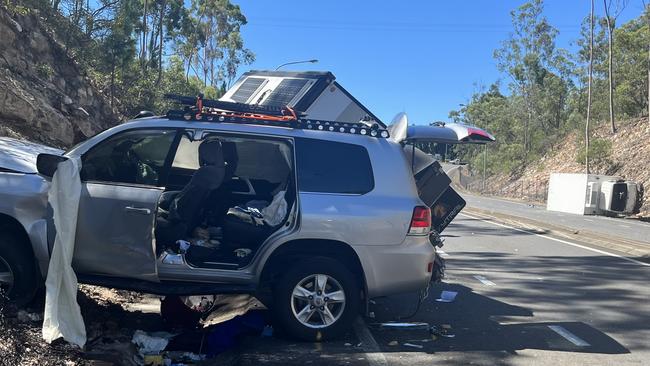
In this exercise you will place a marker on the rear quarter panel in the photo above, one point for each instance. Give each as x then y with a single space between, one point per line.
379 217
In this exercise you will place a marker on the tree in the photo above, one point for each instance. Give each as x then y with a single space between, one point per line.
611 24
591 63
219 22
531 60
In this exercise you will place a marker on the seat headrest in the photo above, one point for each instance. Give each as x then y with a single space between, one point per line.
211 153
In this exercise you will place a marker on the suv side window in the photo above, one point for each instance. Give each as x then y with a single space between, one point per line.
333 167
132 157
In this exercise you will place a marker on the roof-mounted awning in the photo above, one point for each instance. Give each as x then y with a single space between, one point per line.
443 133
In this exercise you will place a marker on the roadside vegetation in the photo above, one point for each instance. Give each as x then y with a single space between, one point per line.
544 95
137 50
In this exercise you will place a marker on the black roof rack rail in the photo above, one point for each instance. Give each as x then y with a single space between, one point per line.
198 109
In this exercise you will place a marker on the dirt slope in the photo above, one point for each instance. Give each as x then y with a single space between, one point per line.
630 159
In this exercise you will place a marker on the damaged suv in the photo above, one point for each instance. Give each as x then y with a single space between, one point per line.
313 216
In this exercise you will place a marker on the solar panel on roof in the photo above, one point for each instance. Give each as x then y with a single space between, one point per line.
246 89
285 92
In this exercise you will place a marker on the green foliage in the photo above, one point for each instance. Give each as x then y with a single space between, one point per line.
548 89
138 50
44 71
600 151
13 7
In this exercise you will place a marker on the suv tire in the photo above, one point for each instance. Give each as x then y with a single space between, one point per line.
307 312
18 267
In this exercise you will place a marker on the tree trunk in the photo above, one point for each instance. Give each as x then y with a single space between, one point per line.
143 50
591 65
189 64
112 103
162 42
610 45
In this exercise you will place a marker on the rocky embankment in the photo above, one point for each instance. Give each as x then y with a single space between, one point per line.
44 94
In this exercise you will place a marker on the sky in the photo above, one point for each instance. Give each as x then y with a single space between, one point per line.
420 57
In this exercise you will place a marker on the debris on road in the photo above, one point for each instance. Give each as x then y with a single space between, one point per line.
413 345
442 331
447 296
405 326
152 343
393 343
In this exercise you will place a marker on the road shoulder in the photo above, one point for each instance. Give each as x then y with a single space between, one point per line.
630 248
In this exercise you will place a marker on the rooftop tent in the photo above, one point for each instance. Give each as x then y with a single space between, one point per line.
317 94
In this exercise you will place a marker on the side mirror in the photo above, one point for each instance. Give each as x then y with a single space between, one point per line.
47 164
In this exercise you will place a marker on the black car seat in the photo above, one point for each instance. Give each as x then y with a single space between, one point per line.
188 204
230 157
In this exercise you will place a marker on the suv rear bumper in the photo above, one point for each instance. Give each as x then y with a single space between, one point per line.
397 269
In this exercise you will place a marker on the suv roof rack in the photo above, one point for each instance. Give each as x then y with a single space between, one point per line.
199 109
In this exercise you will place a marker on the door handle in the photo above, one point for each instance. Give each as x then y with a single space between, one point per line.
141 211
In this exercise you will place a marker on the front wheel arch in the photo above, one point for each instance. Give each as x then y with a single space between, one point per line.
289 252
18 253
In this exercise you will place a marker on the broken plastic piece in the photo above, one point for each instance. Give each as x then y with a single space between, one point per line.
413 345
200 303
393 343
405 325
442 331
152 343
447 296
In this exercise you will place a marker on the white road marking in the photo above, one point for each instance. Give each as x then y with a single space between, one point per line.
569 336
485 281
373 353
559 240
442 253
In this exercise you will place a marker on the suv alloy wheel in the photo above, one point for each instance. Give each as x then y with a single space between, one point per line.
317 299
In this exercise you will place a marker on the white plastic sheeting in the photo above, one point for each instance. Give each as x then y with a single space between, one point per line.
62 316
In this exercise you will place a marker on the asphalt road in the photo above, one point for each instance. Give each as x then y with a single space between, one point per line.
623 228
522 299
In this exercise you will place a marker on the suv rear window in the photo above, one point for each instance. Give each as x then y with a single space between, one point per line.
333 167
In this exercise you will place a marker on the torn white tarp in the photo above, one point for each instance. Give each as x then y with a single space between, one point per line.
62 317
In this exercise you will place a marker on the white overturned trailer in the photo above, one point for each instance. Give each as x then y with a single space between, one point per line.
592 194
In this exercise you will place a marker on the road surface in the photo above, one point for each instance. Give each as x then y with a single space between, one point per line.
623 228
522 299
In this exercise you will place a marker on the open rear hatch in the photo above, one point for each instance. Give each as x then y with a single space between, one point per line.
433 184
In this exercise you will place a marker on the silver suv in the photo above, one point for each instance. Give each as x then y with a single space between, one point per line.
311 217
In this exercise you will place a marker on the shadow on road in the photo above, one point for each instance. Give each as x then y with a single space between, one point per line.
468 225
474 321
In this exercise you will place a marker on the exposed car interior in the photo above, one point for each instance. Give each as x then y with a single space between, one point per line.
223 198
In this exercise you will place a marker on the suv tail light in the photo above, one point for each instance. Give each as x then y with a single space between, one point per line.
421 221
